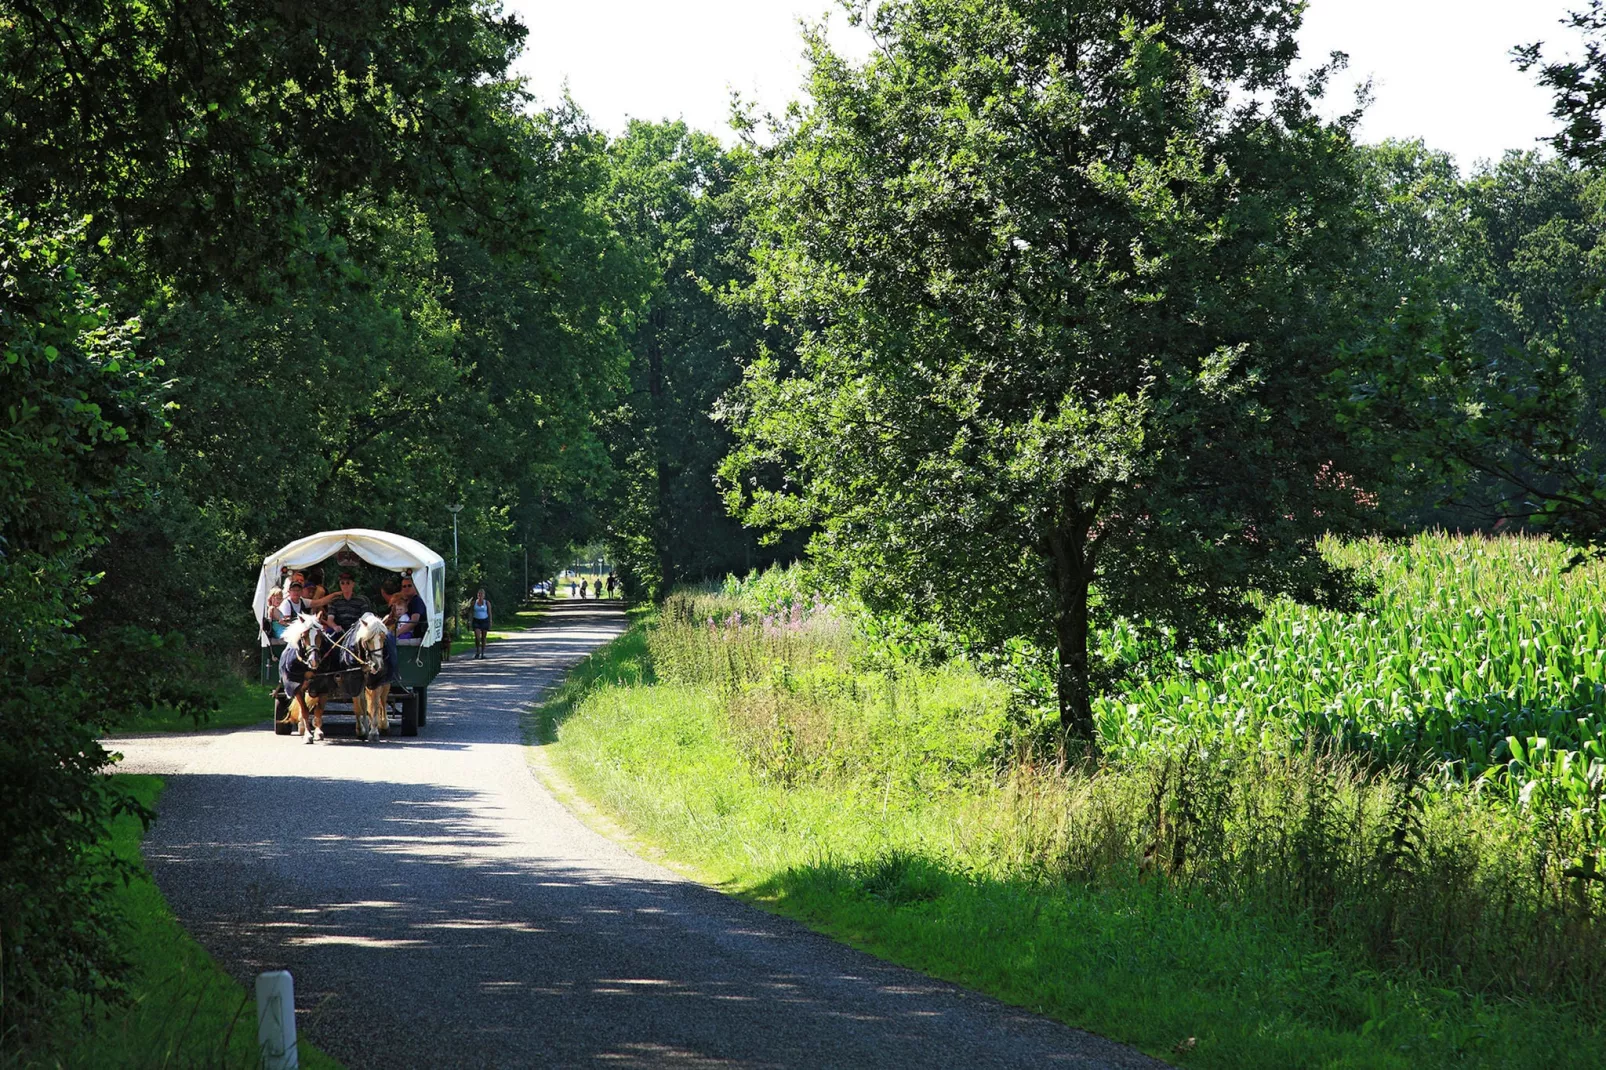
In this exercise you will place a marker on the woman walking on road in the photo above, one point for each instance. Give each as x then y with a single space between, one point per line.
480 620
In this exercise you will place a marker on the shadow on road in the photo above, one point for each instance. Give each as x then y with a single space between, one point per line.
419 934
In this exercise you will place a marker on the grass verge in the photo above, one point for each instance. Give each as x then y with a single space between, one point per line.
184 1011
1178 974
240 703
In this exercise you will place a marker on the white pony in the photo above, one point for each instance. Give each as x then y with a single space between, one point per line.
368 643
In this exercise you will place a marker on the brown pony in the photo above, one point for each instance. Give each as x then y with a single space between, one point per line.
368 643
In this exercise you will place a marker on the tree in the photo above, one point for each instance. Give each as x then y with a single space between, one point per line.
1579 86
1070 280
284 198
1503 384
214 133
678 196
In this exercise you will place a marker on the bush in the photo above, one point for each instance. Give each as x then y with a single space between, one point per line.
78 407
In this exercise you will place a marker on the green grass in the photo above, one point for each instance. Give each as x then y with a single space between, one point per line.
240 703
1305 911
184 1011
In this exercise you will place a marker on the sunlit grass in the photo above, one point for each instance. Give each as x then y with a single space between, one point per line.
240 703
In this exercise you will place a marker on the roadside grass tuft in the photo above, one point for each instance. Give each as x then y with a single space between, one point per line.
240 703
182 1012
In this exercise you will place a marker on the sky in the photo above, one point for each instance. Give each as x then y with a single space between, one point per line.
1441 69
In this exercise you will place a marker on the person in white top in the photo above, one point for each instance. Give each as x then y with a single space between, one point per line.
295 605
479 612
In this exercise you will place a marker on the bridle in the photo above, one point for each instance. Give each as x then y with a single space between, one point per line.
307 647
370 651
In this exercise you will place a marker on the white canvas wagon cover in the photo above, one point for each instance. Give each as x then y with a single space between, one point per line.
379 548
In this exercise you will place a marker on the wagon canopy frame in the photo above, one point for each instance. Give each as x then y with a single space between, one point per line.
382 549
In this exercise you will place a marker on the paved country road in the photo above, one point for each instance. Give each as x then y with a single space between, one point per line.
438 908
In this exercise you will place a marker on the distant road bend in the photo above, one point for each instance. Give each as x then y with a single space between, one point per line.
438 908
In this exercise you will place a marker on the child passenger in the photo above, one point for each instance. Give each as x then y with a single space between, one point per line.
273 623
400 614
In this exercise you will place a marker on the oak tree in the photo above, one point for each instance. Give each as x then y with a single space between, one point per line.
1069 279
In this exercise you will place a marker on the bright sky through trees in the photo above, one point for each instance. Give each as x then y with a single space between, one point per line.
1441 68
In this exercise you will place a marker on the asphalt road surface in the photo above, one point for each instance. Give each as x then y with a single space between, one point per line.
439 908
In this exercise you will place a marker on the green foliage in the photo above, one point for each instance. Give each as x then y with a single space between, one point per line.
678 197
368 285
210 138
1469 641
1487 351
774 590
1069 314
437 374
77 405
1579 86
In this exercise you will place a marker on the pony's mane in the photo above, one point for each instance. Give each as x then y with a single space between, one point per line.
368 627
298 628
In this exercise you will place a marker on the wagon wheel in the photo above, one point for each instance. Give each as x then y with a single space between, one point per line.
409 715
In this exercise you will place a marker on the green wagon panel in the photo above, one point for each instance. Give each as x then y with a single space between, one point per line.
416 666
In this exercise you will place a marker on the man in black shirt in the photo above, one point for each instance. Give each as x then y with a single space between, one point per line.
348 606
415 606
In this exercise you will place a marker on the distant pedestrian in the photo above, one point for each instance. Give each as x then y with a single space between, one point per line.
611 584
571 586
479 612
583 590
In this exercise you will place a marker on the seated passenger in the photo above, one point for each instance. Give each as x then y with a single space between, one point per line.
295 605
273 623
416 607
348 606
403 625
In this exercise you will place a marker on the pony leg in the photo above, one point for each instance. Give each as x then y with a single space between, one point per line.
370 725
381 695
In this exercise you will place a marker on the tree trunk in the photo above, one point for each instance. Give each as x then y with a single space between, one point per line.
656 387
1073 576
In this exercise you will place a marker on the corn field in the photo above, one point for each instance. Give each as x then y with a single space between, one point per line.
1475 653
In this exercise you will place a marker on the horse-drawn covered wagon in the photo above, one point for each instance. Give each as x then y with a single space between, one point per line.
317 663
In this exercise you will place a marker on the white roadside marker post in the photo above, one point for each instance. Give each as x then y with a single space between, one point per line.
276 1020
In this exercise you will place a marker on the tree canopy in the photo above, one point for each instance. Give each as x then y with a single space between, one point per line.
1069 282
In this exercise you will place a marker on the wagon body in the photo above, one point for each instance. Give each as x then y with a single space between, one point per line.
417 662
